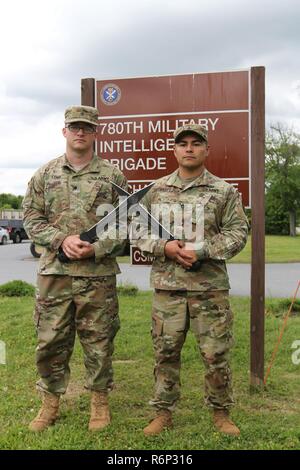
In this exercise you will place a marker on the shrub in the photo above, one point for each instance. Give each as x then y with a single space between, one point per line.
280 307
277 218
16 289
127 289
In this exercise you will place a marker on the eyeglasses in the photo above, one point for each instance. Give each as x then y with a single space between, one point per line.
86 129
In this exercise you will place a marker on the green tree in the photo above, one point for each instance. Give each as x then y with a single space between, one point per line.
10 201
282 180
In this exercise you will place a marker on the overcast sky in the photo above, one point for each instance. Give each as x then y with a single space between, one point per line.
47 47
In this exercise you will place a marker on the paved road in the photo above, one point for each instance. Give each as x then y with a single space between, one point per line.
16 262
281 279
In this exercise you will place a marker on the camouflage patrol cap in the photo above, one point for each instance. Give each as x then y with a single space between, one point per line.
188 129
82 114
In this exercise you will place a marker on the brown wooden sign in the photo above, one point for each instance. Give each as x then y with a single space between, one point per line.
138 117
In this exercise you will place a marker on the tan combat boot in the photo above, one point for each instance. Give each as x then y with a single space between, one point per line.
163 420
100 415
224 424
48 413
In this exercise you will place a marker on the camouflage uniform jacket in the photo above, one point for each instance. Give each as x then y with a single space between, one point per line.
61 201
225 232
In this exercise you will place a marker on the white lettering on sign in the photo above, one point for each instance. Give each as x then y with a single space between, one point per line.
129 127
132 164
163 125
168 126
138 257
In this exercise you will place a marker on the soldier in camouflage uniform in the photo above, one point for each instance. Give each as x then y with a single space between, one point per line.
80 295
191 282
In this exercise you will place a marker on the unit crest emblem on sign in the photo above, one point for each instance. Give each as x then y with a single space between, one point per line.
110 94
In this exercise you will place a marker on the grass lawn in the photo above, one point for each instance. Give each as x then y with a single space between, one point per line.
279 249
268 419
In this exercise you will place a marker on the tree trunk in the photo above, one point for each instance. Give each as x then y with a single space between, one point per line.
292 216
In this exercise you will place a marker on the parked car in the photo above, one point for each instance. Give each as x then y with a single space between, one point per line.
4 236
15 229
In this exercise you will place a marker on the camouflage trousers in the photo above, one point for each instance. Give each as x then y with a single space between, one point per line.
66 305
210 318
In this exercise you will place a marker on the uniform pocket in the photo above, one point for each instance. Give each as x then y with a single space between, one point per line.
37 316
57 198
100 193
222 331
157 326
